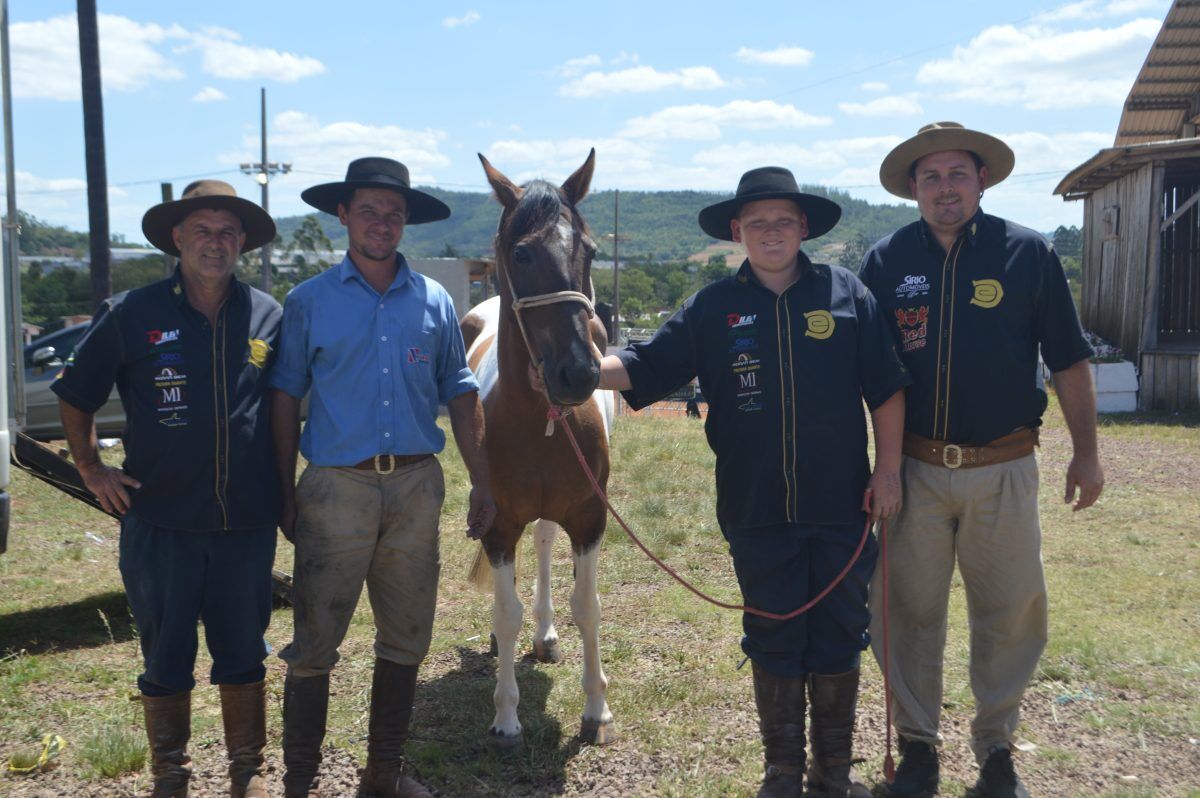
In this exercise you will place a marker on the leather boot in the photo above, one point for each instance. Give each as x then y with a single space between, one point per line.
305 705
780 701
392 689
833 700
244 713
917 775
168 727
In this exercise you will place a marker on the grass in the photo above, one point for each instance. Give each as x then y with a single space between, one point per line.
1120 673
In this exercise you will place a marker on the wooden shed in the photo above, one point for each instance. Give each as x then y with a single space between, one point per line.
1141 221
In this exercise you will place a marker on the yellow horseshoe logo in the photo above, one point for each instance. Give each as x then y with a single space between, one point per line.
988 293
258 352
820 324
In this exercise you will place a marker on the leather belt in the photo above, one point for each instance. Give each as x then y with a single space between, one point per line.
387 463
952 455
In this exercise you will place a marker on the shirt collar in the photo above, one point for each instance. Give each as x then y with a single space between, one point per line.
237 289
745 274
348 271
971 230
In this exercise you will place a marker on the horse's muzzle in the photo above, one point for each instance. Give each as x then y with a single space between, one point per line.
572 382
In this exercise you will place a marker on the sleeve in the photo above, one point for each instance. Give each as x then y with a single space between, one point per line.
880 371
454 376
291 373
1058 328
662 364
91 370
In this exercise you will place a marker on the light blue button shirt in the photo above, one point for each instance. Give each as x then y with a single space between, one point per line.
377 367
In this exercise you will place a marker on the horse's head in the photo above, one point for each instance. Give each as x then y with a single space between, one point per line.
544 256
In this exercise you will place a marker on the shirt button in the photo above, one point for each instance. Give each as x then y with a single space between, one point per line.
381 306
387 434
383 338
386 402
385 371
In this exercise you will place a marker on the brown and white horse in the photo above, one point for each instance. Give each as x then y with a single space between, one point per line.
544 315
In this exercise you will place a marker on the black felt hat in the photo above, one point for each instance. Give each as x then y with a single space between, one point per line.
377 173
770 182
215 194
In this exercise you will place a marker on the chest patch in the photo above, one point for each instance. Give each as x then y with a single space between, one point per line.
913 285
988 293
913 324
819 323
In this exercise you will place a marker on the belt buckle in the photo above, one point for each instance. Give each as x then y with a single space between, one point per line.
391 464
952 455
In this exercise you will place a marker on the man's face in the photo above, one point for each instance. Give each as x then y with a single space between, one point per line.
209 243
374 222
947 187
771 231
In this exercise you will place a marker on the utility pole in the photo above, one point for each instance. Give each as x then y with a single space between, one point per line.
10 307
615 235
262 172
168 194
93 144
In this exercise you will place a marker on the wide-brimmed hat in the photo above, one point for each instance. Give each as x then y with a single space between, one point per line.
377 173
896 168
217 195
770 182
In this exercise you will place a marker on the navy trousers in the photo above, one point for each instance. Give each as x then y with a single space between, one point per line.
174 578
782 567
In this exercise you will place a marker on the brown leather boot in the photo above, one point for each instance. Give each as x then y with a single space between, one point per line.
244 712
780 701
834 700
168 727
305 706
392 690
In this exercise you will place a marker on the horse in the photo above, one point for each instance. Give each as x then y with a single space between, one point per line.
544 317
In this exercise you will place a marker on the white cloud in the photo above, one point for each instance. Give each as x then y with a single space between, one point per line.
780 56
575 66
209 94
884 106
1094 9
469 18
45 56
744 155
223 57
1042 68
1057 152
642 79
874 85
705 122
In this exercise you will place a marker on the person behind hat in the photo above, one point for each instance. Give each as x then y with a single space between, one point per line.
786 352
197 493
971 299
377 347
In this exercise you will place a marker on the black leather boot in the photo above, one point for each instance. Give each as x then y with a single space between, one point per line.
780 701
305 706
834 700
393 687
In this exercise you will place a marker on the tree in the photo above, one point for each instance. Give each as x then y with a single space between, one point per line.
853 251
714 270
1068 241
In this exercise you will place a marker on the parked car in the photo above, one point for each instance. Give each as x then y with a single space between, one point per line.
44 359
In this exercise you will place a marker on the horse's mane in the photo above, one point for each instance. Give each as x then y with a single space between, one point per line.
539 208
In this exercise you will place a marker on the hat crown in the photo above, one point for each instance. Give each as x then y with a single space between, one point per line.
377 170
940 126
208 188
765 180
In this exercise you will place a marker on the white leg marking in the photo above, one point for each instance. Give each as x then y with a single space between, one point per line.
543 605
585 607
506 624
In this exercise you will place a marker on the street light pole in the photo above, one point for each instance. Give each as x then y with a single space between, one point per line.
262 172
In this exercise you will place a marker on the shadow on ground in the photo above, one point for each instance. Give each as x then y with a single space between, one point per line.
64 627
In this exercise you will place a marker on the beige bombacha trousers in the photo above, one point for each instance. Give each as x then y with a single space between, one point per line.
986 519
355 526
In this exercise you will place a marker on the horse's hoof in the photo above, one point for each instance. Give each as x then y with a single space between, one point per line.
595 732
546 651
493 648
504 743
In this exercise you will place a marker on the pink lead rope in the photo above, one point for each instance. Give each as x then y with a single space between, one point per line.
889 768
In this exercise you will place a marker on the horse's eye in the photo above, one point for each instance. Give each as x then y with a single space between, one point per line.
522 255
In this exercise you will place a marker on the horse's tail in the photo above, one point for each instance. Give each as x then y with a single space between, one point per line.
481 571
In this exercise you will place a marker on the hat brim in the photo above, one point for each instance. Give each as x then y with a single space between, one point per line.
422 207
822 214
995 154
159 221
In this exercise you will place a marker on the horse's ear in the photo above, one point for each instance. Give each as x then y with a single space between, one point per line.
576 187
506 191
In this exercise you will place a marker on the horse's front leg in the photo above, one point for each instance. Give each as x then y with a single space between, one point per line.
507 612
545 636
597 726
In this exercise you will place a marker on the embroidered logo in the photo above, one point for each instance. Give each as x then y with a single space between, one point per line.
988 293
259 349
914 327
738 320
156 337
416 356
173 420
820 324
913 285
744 344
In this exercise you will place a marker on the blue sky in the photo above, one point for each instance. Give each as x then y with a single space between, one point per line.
672 96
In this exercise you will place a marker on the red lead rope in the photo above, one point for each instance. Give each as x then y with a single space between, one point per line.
889 768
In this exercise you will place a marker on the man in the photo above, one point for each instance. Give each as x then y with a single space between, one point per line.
786 350
377 346
971 297
197 493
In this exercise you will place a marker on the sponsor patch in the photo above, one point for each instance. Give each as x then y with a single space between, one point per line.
914 285
173 420
157 337
820 324
738 320
415 355
259 349
988 293
914 327
744 344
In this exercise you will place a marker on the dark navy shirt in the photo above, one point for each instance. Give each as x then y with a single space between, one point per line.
969 323
197 431
785 377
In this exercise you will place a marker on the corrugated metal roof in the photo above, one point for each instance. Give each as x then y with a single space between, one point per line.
1108 165
1162 103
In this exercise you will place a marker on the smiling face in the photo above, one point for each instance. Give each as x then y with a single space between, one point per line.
209 242
947 186
374 220
771 231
